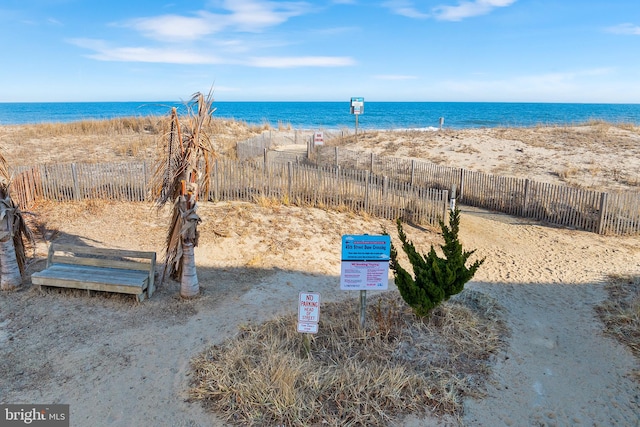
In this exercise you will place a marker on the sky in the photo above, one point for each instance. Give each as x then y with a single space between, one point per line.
582 51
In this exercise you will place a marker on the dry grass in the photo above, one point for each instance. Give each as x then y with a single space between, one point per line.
398 364
621 313
107 140
595 135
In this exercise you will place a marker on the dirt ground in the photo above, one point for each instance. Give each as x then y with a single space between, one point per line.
118 362
122 363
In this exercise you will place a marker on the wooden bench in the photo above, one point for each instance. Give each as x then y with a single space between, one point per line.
99 269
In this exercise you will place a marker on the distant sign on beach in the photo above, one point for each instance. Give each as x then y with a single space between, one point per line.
318 138
357 105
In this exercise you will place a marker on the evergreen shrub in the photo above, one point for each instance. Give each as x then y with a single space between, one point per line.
434 279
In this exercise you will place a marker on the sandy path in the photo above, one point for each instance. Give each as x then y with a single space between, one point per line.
118 363
558 368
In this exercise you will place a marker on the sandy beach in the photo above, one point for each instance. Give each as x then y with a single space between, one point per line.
122 363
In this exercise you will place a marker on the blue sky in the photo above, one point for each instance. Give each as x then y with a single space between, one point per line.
331 50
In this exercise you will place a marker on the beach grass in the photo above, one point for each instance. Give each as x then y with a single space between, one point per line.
620 313
108 140
345 375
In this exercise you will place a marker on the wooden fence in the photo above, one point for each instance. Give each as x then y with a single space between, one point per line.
381 186
604 213
300 184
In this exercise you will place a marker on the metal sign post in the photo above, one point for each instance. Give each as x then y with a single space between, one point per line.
357 108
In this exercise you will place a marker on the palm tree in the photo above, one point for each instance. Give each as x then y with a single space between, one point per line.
12 230
183 171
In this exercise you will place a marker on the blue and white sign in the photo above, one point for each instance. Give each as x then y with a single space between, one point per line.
357 105
365 262
366 248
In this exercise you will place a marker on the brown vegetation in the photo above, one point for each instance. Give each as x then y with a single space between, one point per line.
621 312
105 140
398 364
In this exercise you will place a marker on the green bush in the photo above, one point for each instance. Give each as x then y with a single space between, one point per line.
435 279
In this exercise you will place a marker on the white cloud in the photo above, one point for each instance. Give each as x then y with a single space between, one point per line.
178 32
177 28
238 15
171 55
468 9
394 77
104 52
255 15
404 8
464 9
626 29
300 61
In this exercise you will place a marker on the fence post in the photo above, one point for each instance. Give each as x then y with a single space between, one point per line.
603 213
445 206
525 202
265 151
413 171
337 163
216 187
366 191
452 202
385 186
76 185
462 174
371 164
289 179
146 189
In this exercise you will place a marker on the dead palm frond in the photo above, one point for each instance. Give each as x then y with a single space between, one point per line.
14 225
183 172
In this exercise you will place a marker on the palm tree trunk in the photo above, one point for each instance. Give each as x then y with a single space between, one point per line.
10 277
189 286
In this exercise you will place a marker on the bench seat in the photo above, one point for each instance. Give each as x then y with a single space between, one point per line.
98 269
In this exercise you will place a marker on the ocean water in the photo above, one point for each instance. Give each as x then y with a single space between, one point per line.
336 115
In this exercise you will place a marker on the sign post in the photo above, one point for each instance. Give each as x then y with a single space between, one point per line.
318 138
308 316
365 265
357 108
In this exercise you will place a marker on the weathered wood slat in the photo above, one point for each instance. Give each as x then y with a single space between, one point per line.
85 277
100 269
334 185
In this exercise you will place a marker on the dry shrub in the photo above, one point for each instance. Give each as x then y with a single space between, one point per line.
397 365
116 126
620 313
566 172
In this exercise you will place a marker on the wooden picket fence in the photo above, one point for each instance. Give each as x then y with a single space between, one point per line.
337 178
616 213
300 184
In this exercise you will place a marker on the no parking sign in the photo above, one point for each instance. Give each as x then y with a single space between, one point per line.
308 312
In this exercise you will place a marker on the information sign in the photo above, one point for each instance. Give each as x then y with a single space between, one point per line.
365 262
357 105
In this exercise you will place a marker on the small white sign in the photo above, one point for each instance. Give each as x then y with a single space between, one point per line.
308 327
308 312
318 138
309 307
